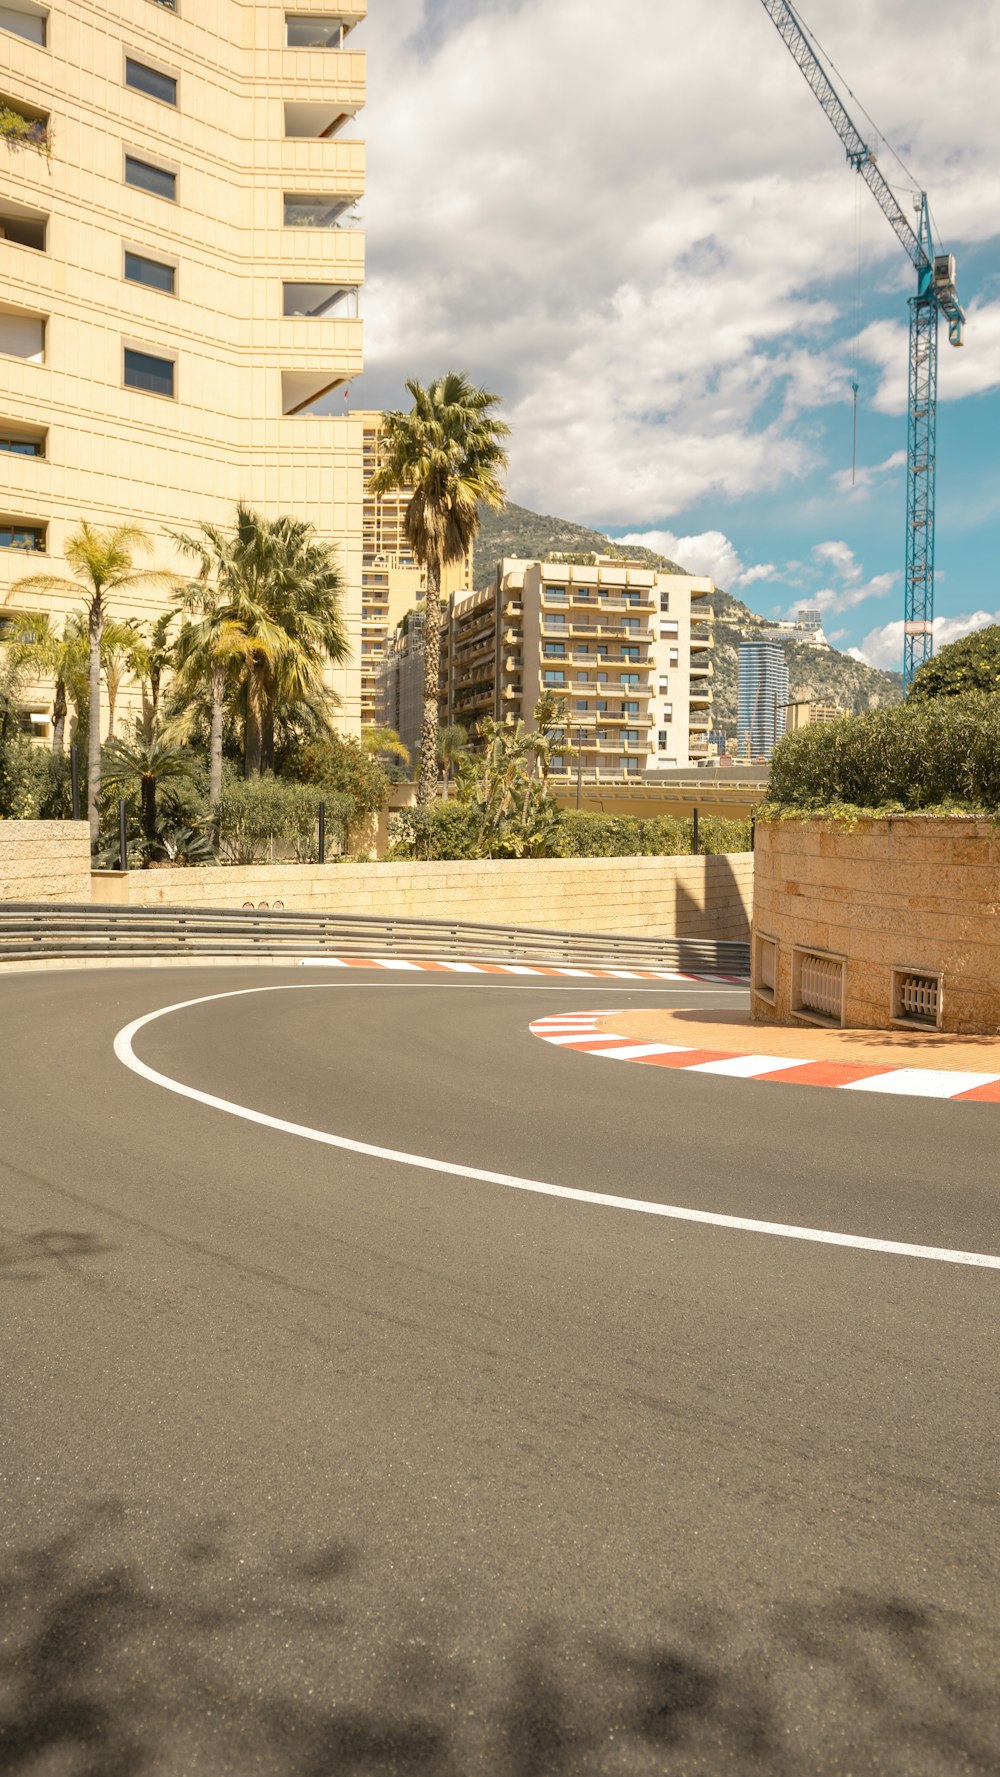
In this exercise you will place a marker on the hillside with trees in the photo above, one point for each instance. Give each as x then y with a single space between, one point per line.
827 675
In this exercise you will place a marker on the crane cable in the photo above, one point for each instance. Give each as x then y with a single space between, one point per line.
857 326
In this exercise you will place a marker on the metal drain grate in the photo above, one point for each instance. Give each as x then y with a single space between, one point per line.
916 997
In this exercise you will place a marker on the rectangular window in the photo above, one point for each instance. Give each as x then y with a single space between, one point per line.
155 376
674 657
630 625
628 678
602 678
27 538
601 707
583 647
664 601
555 620
630 653
140 270
25 21
630 737
583 678
630 766
668 713
150 81
602 650
553 678
558 762
25 227
22 443
663 740
145 177
630 709
315 210
555 650
312 32
580 704
664 687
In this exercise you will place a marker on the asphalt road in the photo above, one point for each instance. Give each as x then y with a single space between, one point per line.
314 1463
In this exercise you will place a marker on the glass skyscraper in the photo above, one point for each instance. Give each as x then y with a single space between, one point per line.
763 696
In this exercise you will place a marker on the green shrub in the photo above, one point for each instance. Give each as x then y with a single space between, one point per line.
261 816
934 753
451 830
971 664
34 782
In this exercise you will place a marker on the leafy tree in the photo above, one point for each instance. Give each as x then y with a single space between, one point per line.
270 598
452 746
971 664
449 450
36 649
933 753
146 761
103 564
344 774
377 741
258 814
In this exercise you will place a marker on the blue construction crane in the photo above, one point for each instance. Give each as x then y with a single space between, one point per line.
936 295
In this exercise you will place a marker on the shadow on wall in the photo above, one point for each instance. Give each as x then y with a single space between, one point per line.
725 916
213 1654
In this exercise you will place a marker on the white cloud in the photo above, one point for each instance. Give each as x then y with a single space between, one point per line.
709 553
845 597
884 647
639 253
868 475
840 557
971 370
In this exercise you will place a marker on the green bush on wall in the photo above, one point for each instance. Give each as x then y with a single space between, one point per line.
449 830
935 754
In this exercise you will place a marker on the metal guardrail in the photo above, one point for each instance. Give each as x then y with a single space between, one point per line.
41 930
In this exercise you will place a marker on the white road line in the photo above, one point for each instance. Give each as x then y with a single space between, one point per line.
641 1052
597 1200
396 962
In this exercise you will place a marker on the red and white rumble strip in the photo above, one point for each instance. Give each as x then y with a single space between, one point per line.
484 968
579 1030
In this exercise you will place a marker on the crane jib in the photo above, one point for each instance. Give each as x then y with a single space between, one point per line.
936 295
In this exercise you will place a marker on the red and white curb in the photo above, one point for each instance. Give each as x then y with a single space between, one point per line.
580 1031
483 968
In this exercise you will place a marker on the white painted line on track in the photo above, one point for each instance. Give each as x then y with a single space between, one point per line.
594 1199
923 1082
743 1067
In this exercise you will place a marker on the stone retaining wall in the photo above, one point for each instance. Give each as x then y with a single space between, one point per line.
910 894
44 861
646 897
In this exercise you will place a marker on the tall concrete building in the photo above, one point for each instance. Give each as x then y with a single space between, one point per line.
181 275
392 582
628 649
763 699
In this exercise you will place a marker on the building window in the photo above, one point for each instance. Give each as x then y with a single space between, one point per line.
674 659
630 653
664 601
140 270
668 713
150 81
22 444
628 678
155 376
555 620
664 687
29 538
558 763
602 650
25 21
555 650
630 737
663 740
630 709
602 678
629 766
313 32
146 177
601 707
580 704
314 210
25 227
631 625
554 678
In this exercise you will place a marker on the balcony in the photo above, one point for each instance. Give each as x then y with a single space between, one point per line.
315 119
699 697
24 126
314 302
24 226
319 210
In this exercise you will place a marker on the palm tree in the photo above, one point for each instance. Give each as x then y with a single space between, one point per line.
452 746
148 760
37 650
270 594
209 652
448 449
103 563
123 653
377 740
548 741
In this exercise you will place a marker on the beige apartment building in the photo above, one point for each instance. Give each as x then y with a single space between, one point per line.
182 265
628 648
392 582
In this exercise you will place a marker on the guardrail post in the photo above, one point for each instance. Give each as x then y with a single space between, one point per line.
122 835
74 778
694 831
321 849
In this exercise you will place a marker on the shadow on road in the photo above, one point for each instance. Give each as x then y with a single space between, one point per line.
25 1258
215 1656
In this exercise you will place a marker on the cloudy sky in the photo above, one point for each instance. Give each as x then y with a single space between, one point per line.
634 222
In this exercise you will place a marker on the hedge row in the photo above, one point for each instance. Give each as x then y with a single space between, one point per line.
449 830
911 756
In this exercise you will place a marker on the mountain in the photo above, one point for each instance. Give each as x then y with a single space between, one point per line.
824 674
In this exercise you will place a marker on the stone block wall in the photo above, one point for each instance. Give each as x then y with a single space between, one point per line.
645 897
44 861
916 892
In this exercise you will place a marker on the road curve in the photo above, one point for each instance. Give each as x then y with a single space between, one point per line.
318 1462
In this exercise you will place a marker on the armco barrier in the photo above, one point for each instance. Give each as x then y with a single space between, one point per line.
41 931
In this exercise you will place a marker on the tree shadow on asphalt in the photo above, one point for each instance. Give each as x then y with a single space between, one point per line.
215 1657
27 1258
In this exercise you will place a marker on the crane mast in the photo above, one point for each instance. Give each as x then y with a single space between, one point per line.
936 295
